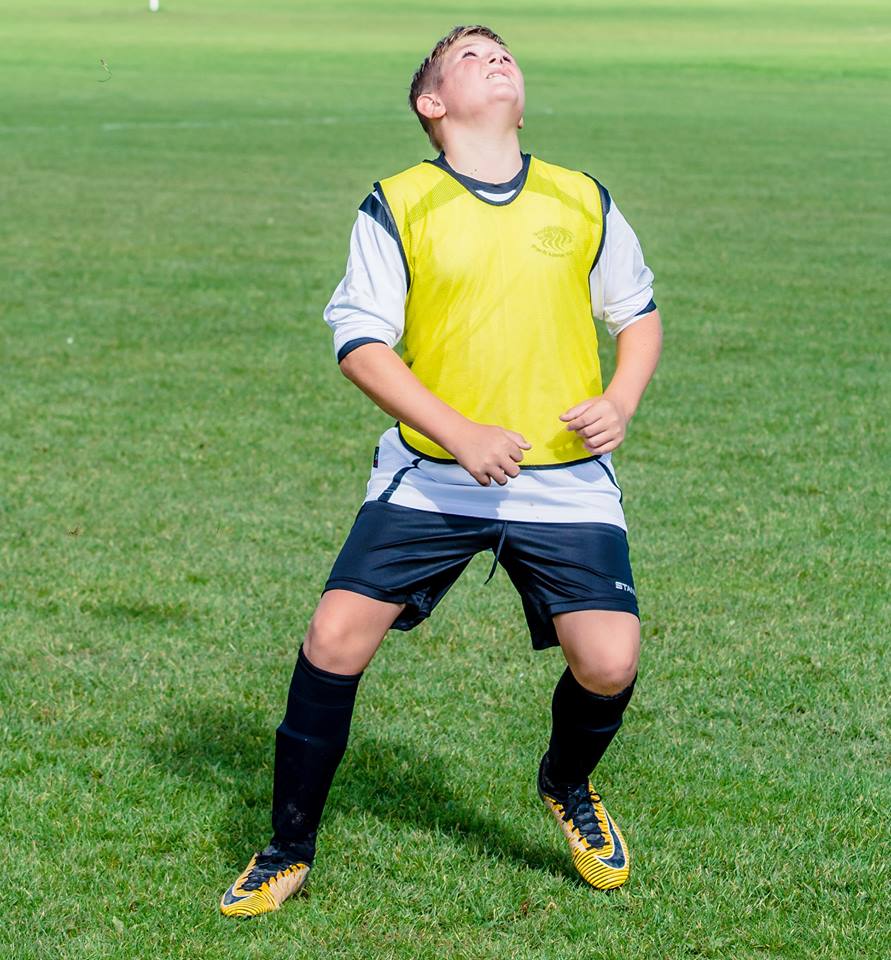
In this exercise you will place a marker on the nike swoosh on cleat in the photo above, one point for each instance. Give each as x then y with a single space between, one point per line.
229 898
617 860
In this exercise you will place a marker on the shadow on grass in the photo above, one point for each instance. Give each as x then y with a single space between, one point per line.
395 782
141 611
228 752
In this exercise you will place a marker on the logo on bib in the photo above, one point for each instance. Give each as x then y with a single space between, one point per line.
554 241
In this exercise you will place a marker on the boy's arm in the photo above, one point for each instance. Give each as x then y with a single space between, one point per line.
368 304
622 296
486 452
602 421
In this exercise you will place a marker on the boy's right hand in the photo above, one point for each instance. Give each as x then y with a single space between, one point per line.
488 452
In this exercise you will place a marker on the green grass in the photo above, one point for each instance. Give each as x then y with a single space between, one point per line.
181 461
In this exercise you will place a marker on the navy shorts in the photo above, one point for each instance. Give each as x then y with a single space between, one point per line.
403 555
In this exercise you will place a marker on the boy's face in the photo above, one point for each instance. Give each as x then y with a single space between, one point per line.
476 75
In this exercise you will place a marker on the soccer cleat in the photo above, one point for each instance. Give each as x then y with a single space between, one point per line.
268 880
598 848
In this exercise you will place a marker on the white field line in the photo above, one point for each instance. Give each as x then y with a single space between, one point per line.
114 126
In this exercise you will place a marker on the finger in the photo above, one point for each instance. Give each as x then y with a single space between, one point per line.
587 419
482 479
519 439
600 437
498 476
608 447
602 430
511 470
580 421
576 410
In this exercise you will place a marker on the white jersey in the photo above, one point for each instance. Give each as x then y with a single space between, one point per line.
369 306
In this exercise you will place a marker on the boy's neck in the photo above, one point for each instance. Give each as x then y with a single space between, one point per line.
489 157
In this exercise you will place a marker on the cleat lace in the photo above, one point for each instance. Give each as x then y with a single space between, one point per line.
579 807
272 863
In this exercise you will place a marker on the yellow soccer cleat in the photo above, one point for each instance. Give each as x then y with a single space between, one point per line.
598 848
268 880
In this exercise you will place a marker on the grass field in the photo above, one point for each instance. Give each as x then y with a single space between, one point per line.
180 461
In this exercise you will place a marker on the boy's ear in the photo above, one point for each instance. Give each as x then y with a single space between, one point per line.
520 123
430 106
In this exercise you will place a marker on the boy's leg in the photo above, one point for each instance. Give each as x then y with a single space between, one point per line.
577 589
394 567
344 634
602 648
392 570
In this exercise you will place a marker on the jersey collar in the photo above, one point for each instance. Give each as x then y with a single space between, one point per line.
511 189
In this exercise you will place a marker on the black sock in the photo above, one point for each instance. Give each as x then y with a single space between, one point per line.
309 745
584 723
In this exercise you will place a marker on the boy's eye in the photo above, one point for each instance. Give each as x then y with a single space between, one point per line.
468 53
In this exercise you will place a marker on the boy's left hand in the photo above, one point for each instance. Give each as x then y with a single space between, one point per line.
600 422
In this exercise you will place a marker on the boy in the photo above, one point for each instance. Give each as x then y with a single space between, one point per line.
489 264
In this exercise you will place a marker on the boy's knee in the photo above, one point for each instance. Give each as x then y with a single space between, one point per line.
339 639
608 675
329 639
602 648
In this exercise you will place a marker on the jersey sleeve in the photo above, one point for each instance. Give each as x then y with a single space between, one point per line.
368 305
621 282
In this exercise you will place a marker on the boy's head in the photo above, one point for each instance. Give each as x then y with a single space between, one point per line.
468 72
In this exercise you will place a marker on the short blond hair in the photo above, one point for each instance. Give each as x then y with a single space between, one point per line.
428 75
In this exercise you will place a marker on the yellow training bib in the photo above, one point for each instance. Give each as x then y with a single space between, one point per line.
498 320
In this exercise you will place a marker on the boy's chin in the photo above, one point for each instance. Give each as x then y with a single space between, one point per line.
500 110
510 105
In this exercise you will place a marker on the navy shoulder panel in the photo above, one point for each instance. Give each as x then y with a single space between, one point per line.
605 203
380 214
376 206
